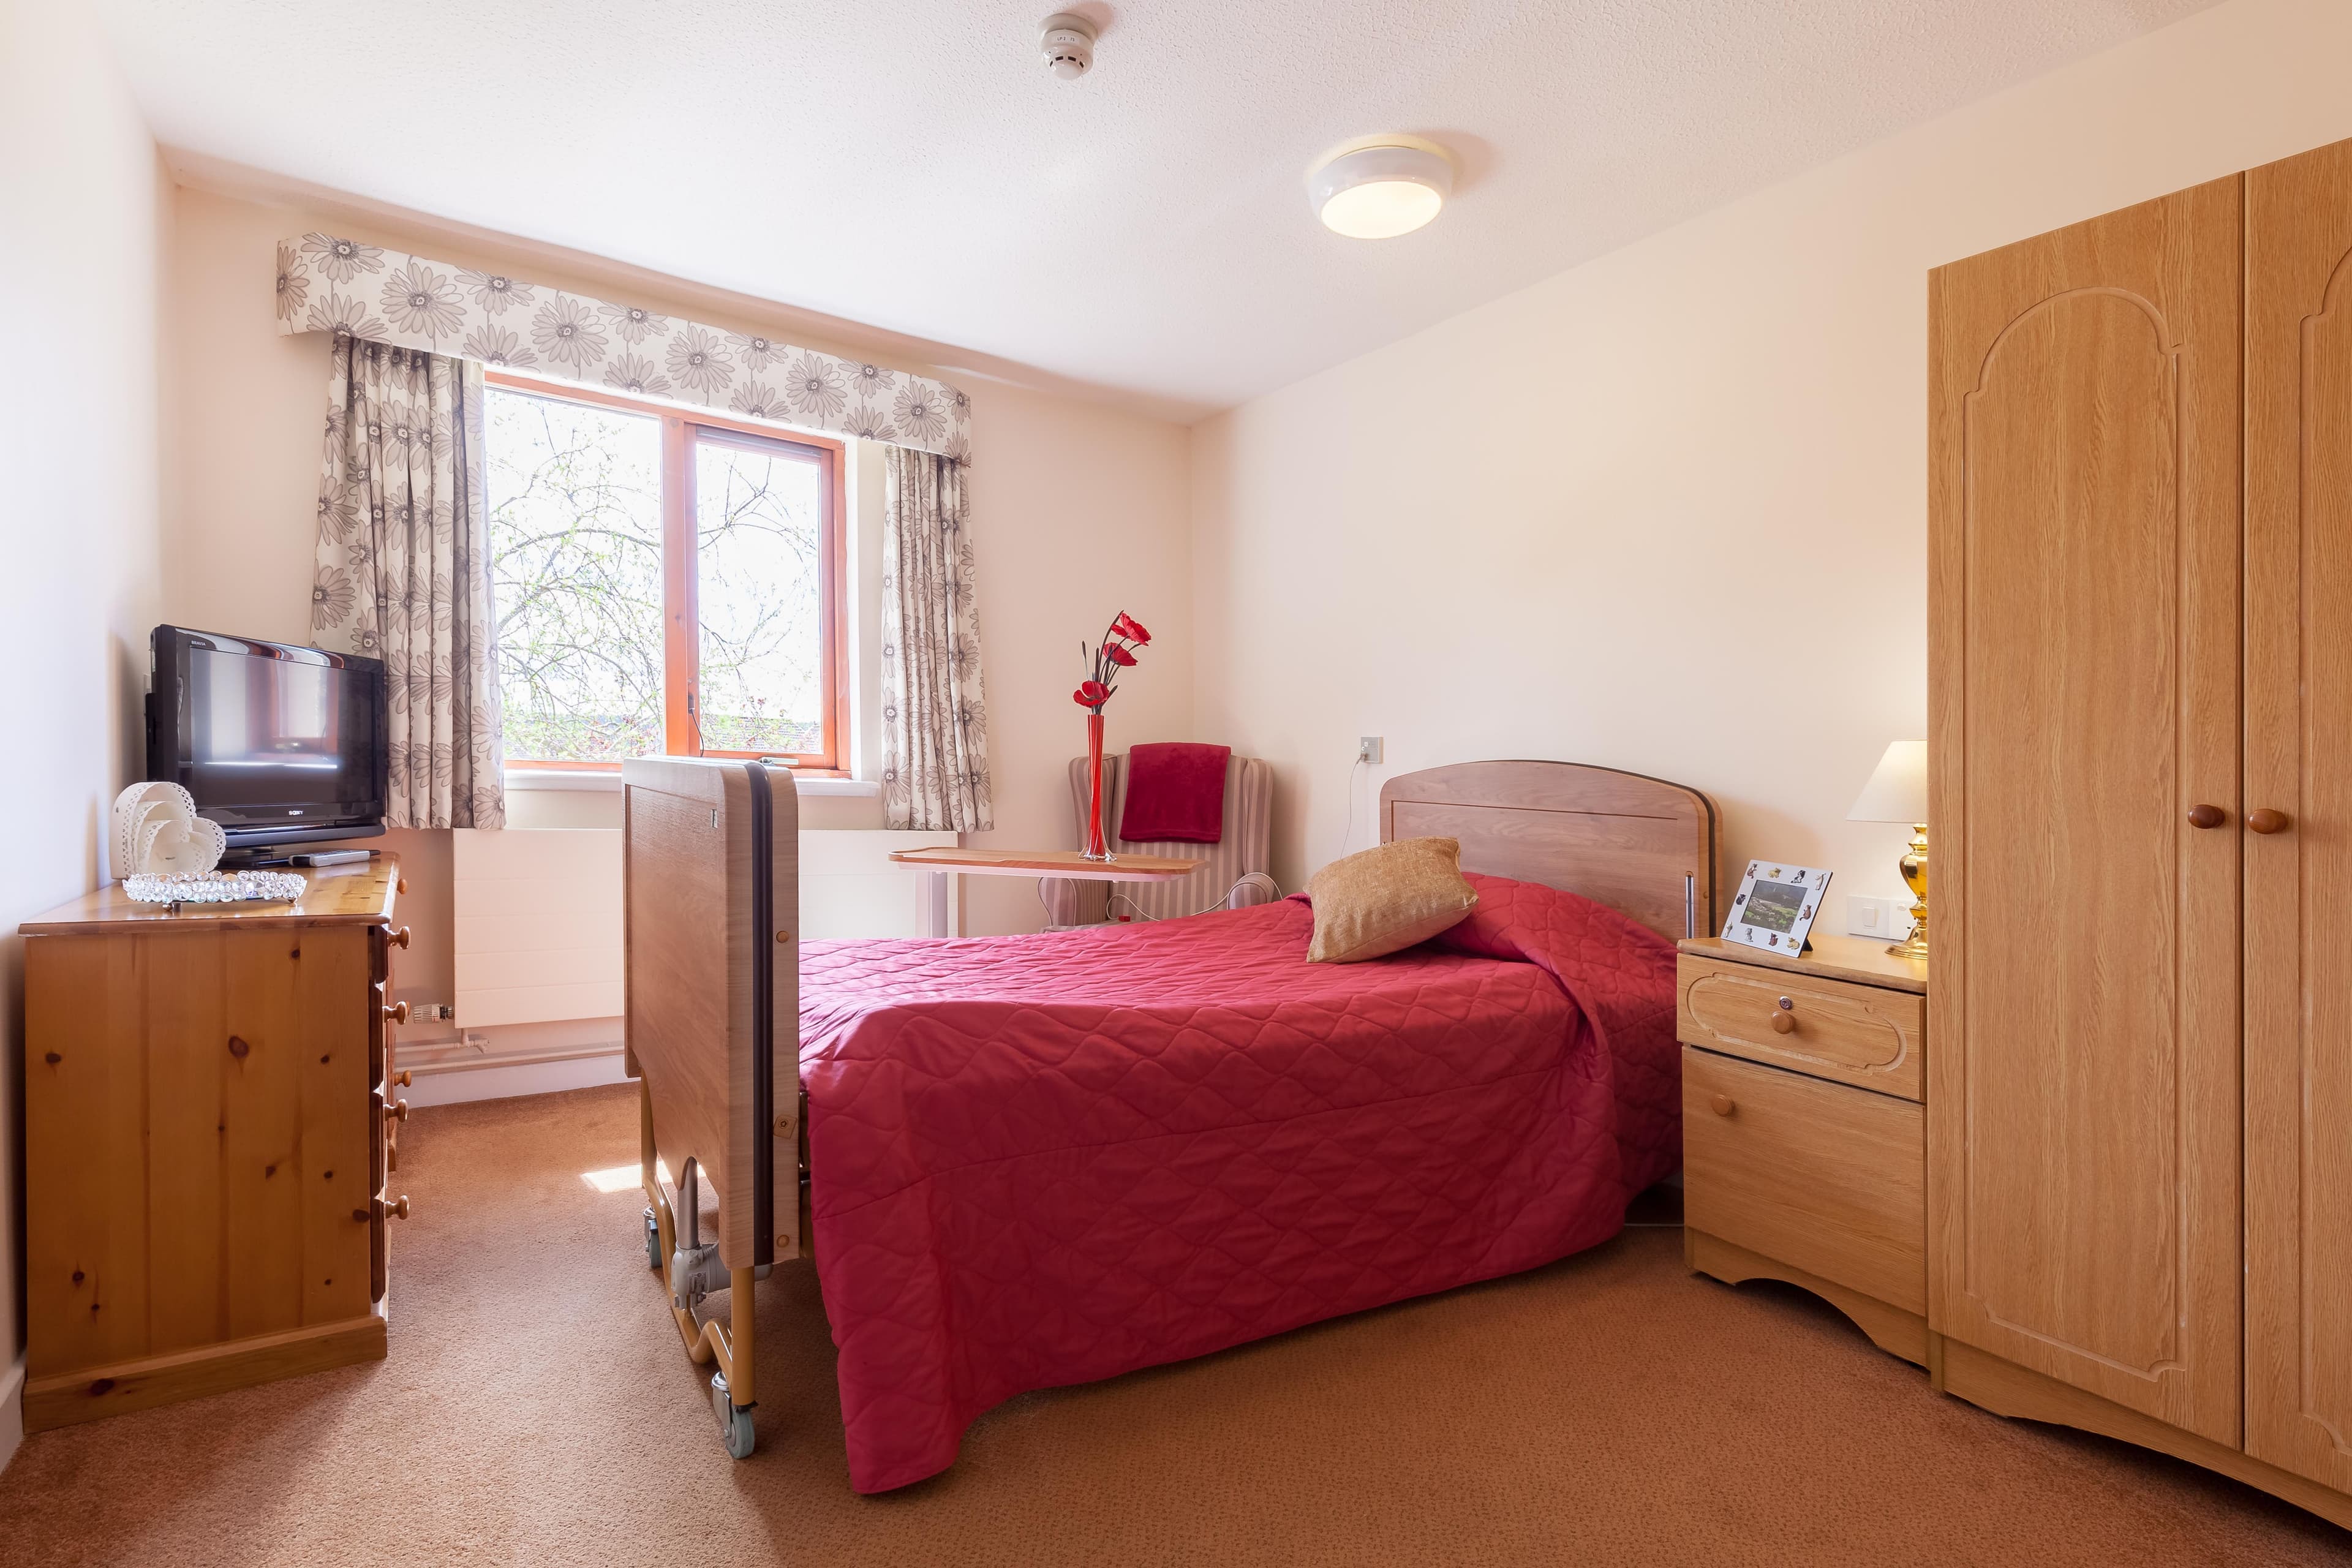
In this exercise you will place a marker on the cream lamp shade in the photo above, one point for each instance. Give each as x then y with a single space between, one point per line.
1897 790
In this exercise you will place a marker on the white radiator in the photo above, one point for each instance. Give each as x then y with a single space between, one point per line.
538 925
539 914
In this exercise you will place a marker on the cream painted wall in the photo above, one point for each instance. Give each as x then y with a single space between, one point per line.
1078 509
1666 512
84 223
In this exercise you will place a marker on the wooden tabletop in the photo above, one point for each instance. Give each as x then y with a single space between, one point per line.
1862 959
1065 863
358 893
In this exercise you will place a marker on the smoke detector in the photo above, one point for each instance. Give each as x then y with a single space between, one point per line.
1068 43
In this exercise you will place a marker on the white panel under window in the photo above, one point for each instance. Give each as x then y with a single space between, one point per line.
539 914
538 925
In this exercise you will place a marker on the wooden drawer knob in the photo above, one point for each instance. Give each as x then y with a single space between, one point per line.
403 1079
396 1112
1723 1104
2207 816
401 885
397 1012
393 1208
1783 1023
2265 820
398 939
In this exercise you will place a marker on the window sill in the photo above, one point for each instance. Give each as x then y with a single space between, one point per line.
609 783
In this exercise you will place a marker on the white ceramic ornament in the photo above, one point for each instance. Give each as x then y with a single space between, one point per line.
209 841
158 832
128 816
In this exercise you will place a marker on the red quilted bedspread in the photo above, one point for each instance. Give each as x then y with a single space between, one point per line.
1039 1161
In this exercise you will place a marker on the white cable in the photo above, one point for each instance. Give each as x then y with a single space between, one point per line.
1348 831
1247 878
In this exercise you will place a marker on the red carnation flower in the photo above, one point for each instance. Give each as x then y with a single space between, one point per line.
1119 655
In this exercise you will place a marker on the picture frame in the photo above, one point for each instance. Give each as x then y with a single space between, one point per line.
1775 906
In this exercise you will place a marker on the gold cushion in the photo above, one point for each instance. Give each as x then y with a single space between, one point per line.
1383 899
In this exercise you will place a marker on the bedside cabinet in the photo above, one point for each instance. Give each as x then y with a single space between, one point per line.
1805 1137
207 1136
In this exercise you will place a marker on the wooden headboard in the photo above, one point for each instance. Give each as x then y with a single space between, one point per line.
1642 846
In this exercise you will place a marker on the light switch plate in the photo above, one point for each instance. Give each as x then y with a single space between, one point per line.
1888 918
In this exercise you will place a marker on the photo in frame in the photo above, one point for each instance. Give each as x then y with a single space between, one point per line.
1775 906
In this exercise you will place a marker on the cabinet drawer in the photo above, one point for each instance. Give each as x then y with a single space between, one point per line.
1863 1035
1829 1179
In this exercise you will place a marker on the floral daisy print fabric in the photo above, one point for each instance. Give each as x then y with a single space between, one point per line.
401 572
935 772
327 284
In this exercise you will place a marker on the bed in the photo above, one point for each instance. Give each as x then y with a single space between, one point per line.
1025 1162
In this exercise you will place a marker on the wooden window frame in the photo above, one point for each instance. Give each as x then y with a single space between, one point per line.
682 430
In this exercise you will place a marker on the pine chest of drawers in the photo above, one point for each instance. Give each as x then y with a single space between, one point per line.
207 1135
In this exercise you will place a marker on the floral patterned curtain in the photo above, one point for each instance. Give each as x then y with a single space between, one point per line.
934 716
329 284
403 572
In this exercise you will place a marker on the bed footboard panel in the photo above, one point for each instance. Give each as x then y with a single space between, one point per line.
711 1014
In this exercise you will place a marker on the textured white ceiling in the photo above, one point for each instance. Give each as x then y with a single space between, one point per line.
912 167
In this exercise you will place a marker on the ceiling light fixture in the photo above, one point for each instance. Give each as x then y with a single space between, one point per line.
1377 187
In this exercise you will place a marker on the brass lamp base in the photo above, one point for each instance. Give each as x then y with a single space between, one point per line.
1913 865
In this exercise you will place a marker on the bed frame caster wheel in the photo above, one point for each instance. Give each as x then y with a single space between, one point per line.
653 1242
734 1420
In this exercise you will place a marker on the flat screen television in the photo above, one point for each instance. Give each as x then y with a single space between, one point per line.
279 744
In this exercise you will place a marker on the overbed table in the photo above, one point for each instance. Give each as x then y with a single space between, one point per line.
933 867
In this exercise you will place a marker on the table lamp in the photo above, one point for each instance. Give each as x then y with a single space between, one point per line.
1897 792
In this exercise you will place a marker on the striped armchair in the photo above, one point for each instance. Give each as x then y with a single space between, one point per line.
1249 805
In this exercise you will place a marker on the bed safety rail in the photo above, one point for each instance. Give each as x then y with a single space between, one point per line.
712 1033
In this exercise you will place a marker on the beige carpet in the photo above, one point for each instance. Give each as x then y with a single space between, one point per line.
1611 1409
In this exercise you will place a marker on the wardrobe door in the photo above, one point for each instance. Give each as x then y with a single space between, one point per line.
2083 1103
2299 766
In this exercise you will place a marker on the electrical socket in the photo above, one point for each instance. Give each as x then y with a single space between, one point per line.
1369 749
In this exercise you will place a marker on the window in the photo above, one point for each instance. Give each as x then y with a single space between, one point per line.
663 581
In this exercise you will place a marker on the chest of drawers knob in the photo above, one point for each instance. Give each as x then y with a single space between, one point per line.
1784 1023
1724 1104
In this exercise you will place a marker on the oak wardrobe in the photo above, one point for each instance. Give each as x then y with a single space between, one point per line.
2140 1107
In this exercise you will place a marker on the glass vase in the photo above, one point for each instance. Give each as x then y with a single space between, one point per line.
1097 848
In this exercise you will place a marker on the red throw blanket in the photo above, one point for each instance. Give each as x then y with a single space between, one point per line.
1175 792
1039 1161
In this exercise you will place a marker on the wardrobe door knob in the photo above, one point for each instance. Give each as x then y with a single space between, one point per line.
394 1208
2207 816
396 1112
1723 1105
397 1012
2267 821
